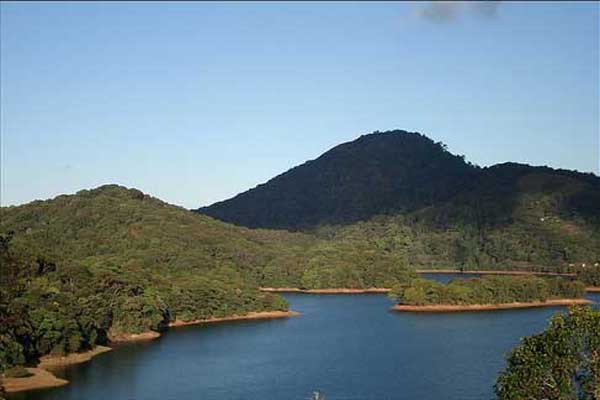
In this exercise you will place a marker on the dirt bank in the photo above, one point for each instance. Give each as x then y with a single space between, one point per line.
122 338
51 361
249 316
133 337
40 379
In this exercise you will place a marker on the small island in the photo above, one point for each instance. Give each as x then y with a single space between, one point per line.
489 307
488 293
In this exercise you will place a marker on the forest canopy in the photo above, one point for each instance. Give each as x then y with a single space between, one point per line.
563 362
487 290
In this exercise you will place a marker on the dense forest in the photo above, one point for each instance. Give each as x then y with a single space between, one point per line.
590 276
406 195
62 308
79 269
563 362
487 290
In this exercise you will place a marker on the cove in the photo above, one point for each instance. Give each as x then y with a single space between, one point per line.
347 346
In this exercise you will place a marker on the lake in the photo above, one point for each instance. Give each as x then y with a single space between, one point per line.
346 346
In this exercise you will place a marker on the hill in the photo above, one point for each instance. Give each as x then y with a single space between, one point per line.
104 263
125 228
379 173
404 194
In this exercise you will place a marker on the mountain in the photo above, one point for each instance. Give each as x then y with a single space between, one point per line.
398 172
404 194
379 173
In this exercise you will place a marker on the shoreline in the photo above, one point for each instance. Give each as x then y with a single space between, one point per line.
590 289
52 361
244 317
42 376
151 335
492 272
324 291
133 337
41 379
439 308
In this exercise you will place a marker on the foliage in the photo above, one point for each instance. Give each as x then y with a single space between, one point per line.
487 290
563 362
121 262
590 276
405 194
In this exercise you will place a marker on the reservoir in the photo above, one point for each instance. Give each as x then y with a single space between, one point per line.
345 346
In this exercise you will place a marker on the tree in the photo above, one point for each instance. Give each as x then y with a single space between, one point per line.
563 362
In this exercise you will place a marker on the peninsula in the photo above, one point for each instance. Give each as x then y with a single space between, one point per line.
490 292
441 308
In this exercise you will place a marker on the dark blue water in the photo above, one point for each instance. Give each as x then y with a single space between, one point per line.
346 346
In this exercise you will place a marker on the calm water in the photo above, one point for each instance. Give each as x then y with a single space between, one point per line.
348 347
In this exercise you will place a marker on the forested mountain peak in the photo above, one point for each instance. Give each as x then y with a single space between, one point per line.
378 173
399 172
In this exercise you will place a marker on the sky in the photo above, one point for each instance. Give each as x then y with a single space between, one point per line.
196 102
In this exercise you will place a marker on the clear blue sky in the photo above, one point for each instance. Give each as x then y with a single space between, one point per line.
195 102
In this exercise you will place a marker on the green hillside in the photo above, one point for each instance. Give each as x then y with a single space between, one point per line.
403 194
112 227
110 261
